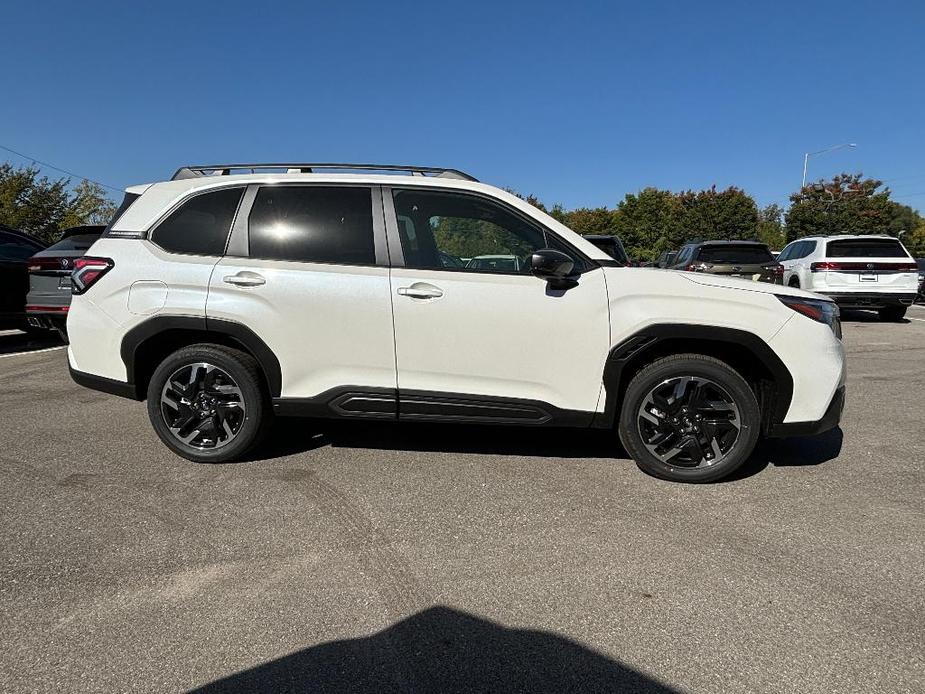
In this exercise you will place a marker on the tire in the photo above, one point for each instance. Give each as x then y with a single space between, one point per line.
225 382
720 412
892 313
794 282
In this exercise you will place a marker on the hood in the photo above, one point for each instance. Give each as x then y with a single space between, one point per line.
722 282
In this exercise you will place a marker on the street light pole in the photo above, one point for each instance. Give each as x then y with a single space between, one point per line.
821 151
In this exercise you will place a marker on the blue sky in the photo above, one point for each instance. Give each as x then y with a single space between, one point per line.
578 103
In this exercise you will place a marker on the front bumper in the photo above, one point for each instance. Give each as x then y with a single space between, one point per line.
829 420
870 299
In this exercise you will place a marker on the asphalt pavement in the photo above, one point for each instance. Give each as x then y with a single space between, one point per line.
424 558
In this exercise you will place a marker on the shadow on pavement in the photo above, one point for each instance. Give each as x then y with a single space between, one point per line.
291 436
12 341
443 650
800 450
852 315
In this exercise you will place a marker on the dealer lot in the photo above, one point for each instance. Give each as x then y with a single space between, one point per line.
380 558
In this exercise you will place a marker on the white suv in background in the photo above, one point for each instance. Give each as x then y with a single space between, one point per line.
854 271
234 292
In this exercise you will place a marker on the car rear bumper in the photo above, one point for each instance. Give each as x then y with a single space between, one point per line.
103 384
829 420
50 317
870 299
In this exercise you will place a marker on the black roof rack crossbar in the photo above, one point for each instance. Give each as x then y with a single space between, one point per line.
309 167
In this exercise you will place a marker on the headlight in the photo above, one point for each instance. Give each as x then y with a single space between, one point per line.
823 311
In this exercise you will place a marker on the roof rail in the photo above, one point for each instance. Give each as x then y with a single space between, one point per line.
309 167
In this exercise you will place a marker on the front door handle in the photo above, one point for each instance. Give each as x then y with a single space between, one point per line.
421 290
245 279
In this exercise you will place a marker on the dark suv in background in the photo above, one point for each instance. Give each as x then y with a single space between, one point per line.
16 248
50 278
746 259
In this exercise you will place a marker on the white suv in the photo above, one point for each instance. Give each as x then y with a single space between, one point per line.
223 297
854 271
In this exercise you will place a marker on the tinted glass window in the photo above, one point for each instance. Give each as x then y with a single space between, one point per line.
77 242
200 226
683 256
15 248
865 248
321 224
735 254
787 253
439 230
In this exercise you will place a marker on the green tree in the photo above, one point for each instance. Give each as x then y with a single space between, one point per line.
847 204
649 222
725 214
44 207
88 205
584 220
770 229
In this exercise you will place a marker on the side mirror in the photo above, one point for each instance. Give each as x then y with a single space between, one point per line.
555 267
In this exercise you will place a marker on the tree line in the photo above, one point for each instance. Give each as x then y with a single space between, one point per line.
648 222
45 207
655 220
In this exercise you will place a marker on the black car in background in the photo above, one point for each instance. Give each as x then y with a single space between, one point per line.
666 259
611 245
50 278
16 248
746 259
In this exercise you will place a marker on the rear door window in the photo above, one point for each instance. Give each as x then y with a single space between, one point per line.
745 255
200 225
865 248
316 224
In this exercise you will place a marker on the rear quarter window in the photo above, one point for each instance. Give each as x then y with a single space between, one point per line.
200 226
865 248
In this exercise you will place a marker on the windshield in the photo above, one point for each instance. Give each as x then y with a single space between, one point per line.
865 248
77 242
744 255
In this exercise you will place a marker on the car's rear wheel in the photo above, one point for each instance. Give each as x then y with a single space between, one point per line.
207 403
892 313
689 418
794 282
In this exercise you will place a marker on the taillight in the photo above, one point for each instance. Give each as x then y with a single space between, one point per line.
824 267
827 266
49 265
817 309
87 272
776 270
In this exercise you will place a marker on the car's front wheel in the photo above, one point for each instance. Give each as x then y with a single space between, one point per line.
689 418
207 403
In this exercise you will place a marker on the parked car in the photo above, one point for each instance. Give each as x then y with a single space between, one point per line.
223 299
746 259
854 271
50 278
16 248
611 245
921 264
666 259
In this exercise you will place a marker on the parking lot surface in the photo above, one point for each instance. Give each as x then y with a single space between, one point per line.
415 558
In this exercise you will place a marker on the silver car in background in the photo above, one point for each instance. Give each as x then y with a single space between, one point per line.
50 270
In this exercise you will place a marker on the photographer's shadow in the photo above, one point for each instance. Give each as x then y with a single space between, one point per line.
443 650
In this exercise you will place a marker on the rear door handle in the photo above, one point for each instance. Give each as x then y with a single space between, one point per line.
245 279
421 290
